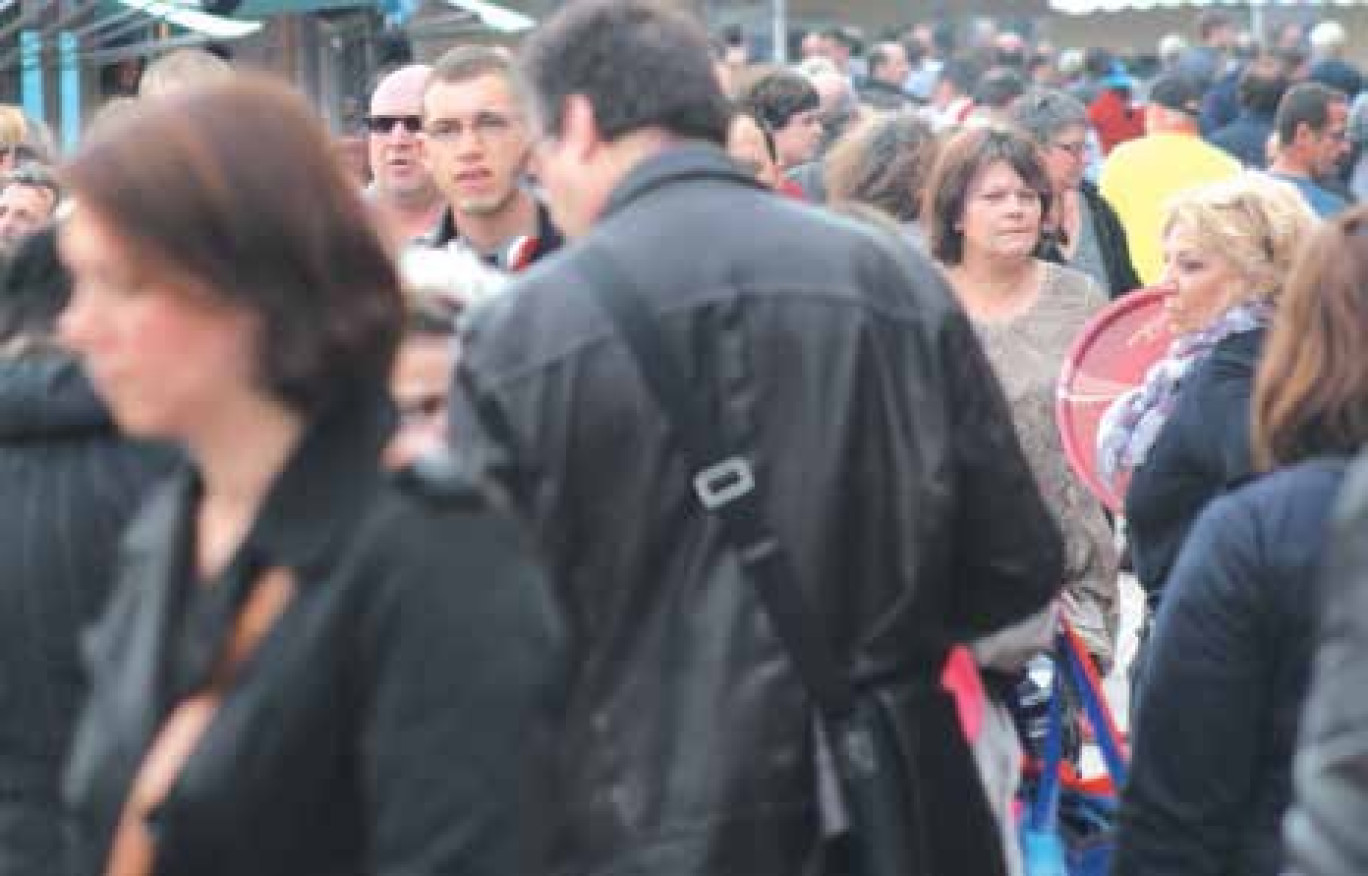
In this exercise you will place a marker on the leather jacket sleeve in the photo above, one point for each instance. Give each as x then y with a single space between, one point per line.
1009 553
1324 832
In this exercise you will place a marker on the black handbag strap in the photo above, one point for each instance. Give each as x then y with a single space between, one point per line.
725 485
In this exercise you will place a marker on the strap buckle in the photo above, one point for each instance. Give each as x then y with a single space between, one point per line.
724 483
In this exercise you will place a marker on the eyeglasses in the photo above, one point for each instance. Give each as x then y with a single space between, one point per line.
485 126
385 124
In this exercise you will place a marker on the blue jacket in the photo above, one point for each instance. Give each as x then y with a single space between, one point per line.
1229 667
1246 138
1221 106
1202 451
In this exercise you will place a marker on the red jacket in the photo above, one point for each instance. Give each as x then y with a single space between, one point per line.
1115 118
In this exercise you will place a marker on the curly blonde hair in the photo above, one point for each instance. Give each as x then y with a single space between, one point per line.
1253 221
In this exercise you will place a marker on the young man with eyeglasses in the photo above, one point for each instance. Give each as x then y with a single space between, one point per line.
477 148
402 190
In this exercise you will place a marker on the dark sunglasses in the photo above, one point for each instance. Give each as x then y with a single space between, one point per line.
385 124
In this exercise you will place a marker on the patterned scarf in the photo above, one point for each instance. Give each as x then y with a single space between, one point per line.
1134 420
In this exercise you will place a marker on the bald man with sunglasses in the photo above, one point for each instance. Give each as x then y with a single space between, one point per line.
402 190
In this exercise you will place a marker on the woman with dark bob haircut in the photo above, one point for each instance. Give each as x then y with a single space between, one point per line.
985 204
1234 643
308 664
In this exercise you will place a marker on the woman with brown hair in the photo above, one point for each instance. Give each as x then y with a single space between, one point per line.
1231 652
884 163
309 664
984 206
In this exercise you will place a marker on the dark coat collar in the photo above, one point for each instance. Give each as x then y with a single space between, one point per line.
326 482
549 238
324 486
688 161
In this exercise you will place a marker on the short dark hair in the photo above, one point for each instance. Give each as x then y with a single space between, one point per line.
912 47
1098 62
999 87
35 289
1262 85
847 37
1307 103
961 72
884 163
639 63
1211 21
465 63
779 95
962 159
181 180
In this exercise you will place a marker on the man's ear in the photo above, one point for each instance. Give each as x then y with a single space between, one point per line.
1305 134
579 127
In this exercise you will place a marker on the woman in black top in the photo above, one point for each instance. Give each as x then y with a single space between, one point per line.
310 665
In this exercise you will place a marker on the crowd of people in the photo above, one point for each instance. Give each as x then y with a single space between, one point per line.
507 509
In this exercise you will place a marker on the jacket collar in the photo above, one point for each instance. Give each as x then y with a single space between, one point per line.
688 161
547 241
325 484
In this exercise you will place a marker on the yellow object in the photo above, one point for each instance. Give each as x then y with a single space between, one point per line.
1140 176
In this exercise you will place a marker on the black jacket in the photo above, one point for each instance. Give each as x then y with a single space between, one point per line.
1231 657
841 366
70 484
392 720
1111 239
885 97
1202 451
1324 832
1246 138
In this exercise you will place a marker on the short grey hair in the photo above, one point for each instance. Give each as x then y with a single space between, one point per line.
1044 112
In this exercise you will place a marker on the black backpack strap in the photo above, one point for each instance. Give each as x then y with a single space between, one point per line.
724 483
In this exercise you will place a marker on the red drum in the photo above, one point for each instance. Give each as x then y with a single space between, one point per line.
1112 355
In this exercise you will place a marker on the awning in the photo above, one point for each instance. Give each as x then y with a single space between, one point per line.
267 8
213 26
494 16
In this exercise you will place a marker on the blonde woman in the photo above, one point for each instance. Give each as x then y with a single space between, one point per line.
1185 433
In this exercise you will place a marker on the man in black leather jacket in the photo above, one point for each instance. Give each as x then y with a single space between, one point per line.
833 358
1324 833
